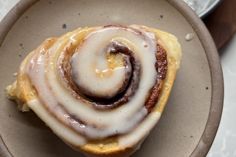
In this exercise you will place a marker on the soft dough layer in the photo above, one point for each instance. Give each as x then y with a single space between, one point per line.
92 86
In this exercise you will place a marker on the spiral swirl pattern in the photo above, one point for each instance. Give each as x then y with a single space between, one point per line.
99 82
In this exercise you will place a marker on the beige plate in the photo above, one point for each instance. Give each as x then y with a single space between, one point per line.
190 121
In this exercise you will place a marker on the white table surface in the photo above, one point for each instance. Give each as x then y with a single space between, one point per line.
225 141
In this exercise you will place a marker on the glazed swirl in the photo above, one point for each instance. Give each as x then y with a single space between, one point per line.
99 82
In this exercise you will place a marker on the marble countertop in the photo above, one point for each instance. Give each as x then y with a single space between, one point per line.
225 141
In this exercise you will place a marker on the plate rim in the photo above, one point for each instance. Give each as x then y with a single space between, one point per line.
217 81
217 95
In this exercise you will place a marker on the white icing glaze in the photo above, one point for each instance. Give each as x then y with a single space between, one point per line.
120 120
44 76
140 132
95 75
168 41
58 128
76 139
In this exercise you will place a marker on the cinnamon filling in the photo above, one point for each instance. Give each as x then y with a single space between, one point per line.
129 85
161 67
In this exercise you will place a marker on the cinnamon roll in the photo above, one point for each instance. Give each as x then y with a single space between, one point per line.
100 89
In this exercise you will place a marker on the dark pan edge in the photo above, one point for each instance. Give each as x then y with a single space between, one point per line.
217 97
211 9
216 108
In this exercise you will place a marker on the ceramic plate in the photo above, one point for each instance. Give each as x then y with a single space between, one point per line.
190 120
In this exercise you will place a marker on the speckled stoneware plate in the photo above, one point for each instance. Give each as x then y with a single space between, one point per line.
190 121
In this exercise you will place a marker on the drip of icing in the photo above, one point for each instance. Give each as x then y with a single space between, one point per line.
189 36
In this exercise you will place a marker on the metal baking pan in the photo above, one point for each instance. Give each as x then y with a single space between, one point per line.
202 7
